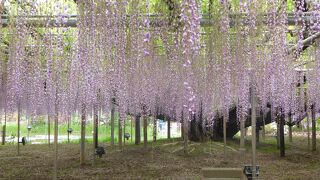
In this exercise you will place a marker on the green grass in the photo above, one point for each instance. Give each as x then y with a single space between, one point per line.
104 130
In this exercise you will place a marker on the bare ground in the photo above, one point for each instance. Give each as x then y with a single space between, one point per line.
163 160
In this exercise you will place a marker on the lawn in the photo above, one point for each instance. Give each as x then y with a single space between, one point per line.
41 128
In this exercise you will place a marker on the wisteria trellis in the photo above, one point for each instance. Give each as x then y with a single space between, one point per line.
154 66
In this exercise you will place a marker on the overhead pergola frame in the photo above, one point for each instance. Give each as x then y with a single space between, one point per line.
155 20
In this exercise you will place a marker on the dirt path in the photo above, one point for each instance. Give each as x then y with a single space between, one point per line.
165 160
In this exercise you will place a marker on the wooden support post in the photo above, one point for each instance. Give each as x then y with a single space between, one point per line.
278 132
281 133
95 126
55 170
137 130
95 132
83 134
4 127
18 128
124 131
120 134
154 129
169 128
3 134
145 130
69 120
258 135
263 126
182 126
253 131
185 133
308 115
290 128
131 121
245 133
113 101
242 134
48 121
28 123
225 119
314 130
308 129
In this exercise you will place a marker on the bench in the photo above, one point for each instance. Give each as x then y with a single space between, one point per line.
223 174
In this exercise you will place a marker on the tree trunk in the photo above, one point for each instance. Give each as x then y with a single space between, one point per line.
137 130
112 120
314 130
83 134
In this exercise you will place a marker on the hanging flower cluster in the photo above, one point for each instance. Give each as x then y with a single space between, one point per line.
120 51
